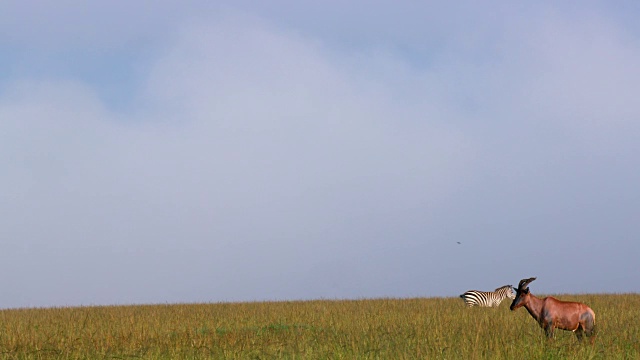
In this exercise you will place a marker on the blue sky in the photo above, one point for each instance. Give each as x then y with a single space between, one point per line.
160 152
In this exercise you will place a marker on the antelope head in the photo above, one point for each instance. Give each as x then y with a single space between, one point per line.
522 293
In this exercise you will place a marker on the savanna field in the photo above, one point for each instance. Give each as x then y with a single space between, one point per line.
419 328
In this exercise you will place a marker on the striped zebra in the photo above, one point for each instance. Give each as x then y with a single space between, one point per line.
488 298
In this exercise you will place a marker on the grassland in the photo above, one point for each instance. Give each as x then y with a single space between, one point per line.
421 328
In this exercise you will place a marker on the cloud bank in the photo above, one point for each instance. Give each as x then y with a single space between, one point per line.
258 162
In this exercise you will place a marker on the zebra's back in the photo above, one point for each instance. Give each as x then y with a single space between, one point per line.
488 298
481 298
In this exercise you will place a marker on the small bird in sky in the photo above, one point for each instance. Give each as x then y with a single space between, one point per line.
458 242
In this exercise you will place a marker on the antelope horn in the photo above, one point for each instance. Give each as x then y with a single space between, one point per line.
524 283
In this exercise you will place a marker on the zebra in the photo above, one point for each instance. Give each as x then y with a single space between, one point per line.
490 298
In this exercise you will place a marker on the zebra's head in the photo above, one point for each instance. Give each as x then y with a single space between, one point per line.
507 291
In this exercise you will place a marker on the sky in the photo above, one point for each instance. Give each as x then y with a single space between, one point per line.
190 151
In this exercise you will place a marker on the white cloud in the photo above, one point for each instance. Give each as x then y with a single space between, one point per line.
262 162
261 153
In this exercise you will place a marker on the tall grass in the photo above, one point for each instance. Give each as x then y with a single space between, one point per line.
421 328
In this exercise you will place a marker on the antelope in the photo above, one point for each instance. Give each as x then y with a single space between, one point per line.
552 313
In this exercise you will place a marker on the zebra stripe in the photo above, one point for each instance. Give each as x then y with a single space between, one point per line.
488 298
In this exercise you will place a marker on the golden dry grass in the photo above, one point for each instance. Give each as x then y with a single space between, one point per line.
421 328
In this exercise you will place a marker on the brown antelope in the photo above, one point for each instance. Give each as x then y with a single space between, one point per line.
552 313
